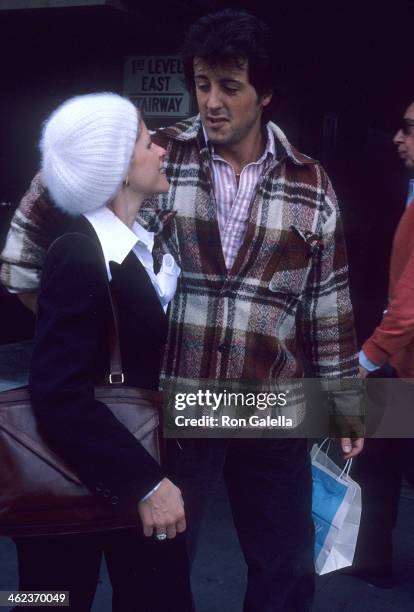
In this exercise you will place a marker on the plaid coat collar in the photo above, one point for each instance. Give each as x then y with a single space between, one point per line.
191 129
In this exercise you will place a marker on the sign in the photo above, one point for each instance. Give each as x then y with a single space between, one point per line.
156 84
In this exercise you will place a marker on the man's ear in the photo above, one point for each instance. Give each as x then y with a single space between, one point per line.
266 98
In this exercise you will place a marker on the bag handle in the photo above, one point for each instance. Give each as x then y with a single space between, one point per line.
322 444
346 470
348 463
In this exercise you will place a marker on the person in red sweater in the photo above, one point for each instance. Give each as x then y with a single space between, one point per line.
393 339
390 347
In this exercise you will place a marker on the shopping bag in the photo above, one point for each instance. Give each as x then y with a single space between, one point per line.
336 509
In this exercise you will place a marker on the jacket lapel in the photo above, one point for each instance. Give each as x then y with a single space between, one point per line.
131 281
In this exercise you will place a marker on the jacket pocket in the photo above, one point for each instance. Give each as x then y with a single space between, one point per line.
295 262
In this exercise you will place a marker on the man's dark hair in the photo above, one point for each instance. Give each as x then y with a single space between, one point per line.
230 36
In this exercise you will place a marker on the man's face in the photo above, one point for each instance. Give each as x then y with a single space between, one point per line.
404 138
229 106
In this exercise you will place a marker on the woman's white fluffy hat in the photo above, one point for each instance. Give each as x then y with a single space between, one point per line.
87 145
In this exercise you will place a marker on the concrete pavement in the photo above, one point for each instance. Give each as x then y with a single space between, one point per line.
219 572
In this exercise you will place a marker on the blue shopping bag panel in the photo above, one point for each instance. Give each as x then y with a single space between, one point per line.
327 496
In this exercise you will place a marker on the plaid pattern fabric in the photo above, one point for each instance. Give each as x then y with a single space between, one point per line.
33 228
286 294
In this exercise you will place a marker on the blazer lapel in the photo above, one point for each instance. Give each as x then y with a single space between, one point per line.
131 281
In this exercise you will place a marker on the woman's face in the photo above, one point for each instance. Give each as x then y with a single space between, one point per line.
146 174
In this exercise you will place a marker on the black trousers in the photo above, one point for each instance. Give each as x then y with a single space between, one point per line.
379 470
269 486
146 575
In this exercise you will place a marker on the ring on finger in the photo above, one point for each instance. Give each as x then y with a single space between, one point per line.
161 536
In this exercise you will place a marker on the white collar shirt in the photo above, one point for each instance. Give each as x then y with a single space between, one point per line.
118 240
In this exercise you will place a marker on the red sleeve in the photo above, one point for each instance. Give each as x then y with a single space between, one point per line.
396 330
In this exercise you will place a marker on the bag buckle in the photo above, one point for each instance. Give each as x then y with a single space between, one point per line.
116 379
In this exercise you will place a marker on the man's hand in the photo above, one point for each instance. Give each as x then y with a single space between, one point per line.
351 447
362 372
163 511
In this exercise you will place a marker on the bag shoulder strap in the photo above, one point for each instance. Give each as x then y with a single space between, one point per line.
116 375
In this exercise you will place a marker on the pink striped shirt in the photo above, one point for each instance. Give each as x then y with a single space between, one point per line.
234 202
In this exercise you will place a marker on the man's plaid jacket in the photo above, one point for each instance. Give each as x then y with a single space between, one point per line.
286 298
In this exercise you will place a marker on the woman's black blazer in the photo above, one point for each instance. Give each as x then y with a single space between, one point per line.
71 354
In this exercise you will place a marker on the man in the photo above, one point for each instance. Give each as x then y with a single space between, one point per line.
257 235
393 339
391 344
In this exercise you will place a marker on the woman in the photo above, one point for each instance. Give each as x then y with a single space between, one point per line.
98 163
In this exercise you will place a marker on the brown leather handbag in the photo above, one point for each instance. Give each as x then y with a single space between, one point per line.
39 493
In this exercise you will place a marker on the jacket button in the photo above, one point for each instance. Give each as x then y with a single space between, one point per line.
106 493
99 487
114 500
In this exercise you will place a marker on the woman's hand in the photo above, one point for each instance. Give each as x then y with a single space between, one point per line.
163 511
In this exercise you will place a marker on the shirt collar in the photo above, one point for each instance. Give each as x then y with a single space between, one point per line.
191 129
116 238
144 236
270 149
